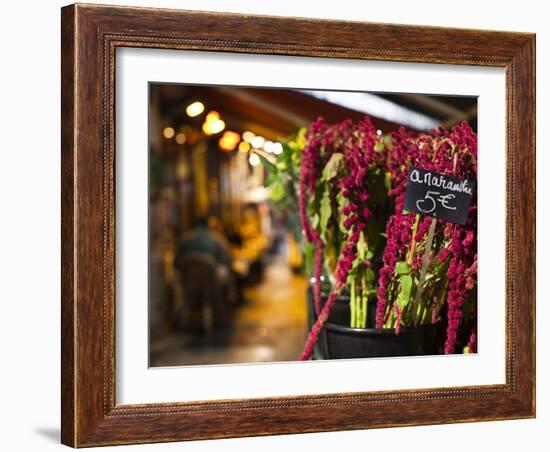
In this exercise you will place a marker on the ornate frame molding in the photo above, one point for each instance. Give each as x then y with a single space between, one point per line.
90 36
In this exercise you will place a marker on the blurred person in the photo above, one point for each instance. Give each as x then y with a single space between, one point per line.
203 239
203 262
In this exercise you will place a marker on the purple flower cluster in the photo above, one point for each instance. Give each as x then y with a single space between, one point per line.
310 168
461 141
461 274
356 143
398 232
405 149
359 156
451 152
309 172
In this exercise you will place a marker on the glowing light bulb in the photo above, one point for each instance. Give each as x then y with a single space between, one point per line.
254 160
244 146
217 126
228 142
248 136
277 148
212 123
269 147
194 109
181 138
168 132
212 116
257 142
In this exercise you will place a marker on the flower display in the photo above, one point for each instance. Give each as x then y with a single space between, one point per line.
351 181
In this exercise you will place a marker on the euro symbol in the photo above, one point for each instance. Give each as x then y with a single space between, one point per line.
444 199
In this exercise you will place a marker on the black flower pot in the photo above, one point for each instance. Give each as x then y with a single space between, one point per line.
339 341
343 342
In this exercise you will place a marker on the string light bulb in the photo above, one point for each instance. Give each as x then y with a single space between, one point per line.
244 146
277 148
254 160
269 147
257 142
228 142
168 132
212 123
248 136
181 138
194 109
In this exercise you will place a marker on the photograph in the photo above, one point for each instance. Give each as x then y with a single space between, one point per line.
296 224
272 225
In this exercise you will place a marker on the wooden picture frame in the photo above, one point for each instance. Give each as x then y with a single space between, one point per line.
90 36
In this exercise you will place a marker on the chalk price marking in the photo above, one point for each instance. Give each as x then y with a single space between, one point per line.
438 195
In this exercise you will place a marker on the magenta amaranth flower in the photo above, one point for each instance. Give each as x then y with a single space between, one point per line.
310 168
463 246
357 146
450 152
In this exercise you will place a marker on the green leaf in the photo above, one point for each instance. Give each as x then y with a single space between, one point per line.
277 191
362 247
370 276
309 249
333 165
341 199
388 141
406 284
342 202
269 166
326 210
379 146
402 268
427 279
301 137
405 281
315 221
271 178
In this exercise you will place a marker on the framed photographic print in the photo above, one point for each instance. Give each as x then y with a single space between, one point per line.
282 225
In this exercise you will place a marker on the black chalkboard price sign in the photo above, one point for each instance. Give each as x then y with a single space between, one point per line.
438 195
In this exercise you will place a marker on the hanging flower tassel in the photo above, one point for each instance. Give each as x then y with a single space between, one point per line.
318 272
308 174
313 336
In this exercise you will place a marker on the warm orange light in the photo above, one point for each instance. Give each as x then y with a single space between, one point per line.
168 132
194 109
212 123
233 136
244 146
181 138
211 128
212 116
228 142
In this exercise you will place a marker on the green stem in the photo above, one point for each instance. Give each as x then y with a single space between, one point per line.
358 312
423 270
364 302
353 322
